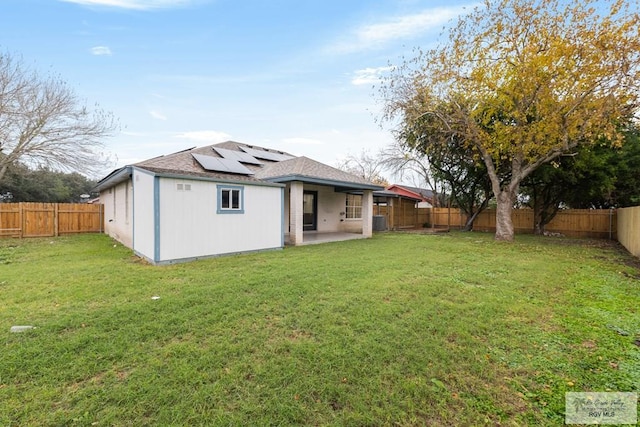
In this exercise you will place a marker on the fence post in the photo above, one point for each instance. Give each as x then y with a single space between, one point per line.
56 219
610 223
21 219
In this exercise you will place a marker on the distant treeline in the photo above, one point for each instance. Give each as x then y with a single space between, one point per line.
21 184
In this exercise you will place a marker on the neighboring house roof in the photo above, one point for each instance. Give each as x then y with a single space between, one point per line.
184 164
421 193
395 194
428 194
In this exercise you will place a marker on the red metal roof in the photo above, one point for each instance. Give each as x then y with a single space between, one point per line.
407 193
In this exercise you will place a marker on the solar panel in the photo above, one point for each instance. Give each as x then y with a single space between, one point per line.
216 164
265 155
238 155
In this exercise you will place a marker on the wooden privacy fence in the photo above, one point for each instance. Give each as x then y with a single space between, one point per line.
402 214
593 223
49 219
598 223
629 229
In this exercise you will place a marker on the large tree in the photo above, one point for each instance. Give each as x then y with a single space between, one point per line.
465 177
521 82
43 123
449 169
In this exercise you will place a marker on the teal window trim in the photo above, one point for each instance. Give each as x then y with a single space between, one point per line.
226 195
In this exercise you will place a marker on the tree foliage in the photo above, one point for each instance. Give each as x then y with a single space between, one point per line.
449 170
521 82
44 124
22 184
595 177
575 181
465 177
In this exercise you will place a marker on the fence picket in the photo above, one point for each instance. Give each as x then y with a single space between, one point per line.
599 223
32 219
629 229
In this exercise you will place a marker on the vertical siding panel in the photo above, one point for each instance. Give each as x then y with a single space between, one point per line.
190 226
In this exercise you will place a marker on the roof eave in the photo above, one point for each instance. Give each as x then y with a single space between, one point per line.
324 181
114 178
393 194
264 183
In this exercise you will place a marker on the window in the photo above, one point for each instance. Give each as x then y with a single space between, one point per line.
230 199
354 206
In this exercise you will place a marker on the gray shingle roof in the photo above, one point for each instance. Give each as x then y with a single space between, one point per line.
301 167
183 163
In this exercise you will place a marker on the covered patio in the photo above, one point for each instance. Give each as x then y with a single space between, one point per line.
322 203
314 237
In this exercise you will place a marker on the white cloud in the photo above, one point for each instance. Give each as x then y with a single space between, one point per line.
369 76
401 27
100 50
157 115
302 141
209 136
134 4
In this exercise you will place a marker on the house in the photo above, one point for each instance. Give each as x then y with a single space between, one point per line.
230 198
425 196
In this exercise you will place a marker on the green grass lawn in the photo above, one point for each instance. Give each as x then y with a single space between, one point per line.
401 329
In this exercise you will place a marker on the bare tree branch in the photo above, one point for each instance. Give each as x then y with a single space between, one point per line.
366 165
44 124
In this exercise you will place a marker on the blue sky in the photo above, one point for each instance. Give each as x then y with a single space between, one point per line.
294 75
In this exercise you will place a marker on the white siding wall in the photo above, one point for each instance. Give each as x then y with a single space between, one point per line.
118 212
190 226
143 199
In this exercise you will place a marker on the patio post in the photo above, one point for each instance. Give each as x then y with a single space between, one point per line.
367 213
296 197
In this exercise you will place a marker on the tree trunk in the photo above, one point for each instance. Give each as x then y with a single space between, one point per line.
538 225
504 224
468 225
538 228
